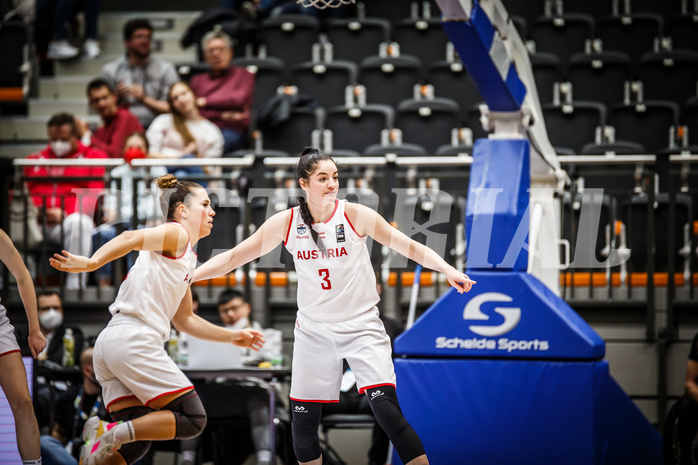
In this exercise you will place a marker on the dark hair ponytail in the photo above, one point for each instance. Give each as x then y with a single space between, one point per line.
309 159
174 192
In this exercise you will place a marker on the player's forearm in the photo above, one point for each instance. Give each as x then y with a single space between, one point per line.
27 293
199 328
219 265
115 248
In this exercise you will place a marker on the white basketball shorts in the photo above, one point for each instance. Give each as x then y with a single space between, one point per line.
8 341
130 361
318 350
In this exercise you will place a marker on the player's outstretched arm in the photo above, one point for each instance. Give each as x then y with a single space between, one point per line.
168 239
186 321
263 241
13 261
368 222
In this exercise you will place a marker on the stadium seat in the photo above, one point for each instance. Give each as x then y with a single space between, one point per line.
527 9
633 34
15 42
294 134
423 38
389 80
648 123
354 39
599 76
347 124
562 35
291 37
326 82
679 68
427 123
451 80
270 73
595 9
683 30
689 117
573 125
547 70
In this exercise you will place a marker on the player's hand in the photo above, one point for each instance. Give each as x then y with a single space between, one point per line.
37 343
248 338
70 263
459 280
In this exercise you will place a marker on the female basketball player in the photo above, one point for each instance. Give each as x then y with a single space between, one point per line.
337 314
147 395
13 377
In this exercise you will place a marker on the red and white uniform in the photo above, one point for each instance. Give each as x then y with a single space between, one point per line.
337 314
130 359
8 341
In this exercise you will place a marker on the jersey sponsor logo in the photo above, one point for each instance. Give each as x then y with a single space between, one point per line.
339 232
316 254
302 237
301 229
511 315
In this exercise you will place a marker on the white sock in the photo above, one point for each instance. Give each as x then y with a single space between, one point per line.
32 462
263 456
124 432
189 455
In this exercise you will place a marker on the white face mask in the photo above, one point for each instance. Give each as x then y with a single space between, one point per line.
60 147
51 319
242 323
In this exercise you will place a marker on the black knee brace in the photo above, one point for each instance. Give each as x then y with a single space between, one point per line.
132 451
190 415
386 409
304 426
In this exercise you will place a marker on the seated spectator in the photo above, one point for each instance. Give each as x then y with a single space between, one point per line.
57 13
184 133
50 309
73 407
249 396
224 94
118 122
141 81
70 204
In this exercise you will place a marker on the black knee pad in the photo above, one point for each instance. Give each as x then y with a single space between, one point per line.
132 451
304 426
190 415
386 409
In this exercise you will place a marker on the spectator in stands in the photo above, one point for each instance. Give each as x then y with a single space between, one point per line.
73 407
184 133
118 122
70 205
248 397
58 13
224 94
141 81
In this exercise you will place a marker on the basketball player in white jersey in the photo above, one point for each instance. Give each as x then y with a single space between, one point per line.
146 394
13 376
337 315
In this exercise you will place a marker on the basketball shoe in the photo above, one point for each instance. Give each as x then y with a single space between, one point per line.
99 441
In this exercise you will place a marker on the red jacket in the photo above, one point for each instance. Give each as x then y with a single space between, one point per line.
54 189
110 138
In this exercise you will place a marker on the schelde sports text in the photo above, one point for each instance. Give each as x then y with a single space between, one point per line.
503 343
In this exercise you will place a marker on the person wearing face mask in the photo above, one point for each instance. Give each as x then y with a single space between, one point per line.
73 407
67 215
249 396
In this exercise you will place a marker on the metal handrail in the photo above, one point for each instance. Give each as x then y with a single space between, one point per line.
606 160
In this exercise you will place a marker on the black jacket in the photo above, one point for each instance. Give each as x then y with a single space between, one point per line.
55 348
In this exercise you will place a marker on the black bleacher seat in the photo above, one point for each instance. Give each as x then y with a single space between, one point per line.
472 121
647 124
633 34
618 147
357 128
394 11
389 80
270 73
634 215
527 9
547 70
16 46
599 76
582 233
291 37
354 39
670 75
683 30
451 80
573 125
664 8
689 117
427 123
562 35
423 38
597 9
325 82
296 133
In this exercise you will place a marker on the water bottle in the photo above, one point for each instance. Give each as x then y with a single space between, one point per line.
183 355
173 345
68 348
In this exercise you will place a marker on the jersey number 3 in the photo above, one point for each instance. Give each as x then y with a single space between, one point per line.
325 275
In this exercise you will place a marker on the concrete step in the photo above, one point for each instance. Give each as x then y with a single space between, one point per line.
20 150
173 21
163 42
93 68
48 107
63 87
31 128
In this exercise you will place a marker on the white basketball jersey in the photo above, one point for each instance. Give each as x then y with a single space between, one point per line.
154 288
336 285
